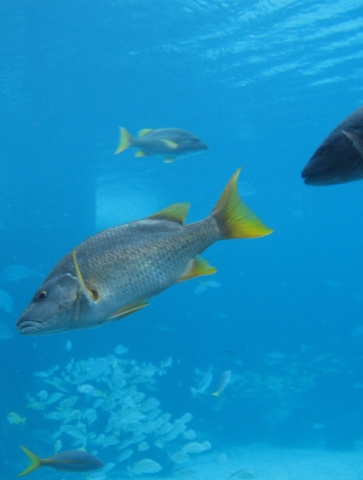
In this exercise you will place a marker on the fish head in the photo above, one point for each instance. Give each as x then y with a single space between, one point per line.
54 308
331 165
339 158
191 143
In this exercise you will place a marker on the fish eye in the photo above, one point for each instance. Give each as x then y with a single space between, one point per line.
41 296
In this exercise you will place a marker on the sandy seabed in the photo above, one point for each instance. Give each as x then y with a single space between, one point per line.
275 464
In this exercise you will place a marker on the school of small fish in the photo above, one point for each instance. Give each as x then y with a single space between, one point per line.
108 404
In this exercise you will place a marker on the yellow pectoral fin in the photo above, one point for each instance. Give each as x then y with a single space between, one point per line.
141 153
128 310
35 462
198 267
91 295
145 131
174 213
170 144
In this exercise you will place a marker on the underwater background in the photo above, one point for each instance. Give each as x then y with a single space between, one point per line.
262 83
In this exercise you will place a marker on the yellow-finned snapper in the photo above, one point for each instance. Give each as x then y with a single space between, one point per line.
168 143
71 461
223 381
115 272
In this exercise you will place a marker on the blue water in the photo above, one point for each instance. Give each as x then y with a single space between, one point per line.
262 82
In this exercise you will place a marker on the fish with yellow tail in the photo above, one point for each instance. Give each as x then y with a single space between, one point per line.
223 381
71 461
115 272
168 143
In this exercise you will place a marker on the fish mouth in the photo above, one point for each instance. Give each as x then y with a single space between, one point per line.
30 327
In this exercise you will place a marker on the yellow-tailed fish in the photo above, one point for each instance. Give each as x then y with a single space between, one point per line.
71 461
115 272
222 382
168 143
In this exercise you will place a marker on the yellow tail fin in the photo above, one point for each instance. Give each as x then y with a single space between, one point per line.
35 462
234 218
125 140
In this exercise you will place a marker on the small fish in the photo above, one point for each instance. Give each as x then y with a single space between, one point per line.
203 384
193 447
15 419
68 345
121 350
17 272
222 383
180 457
54 397
339 159
57 446
114 273
71 461
91 390
244 474
165 142
203 286
6 302
146 465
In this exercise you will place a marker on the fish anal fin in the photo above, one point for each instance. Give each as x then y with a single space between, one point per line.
90 294
144 131
170 143
128 310
198 267
141 153
174 213
356 141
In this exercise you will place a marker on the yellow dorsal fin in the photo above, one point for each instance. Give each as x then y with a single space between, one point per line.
128 310
174 213
170 143
90 294
35 462
125 140
140 153
235 219
144 131
197 267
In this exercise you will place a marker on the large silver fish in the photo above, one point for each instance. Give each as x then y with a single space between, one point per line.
165 142
115 272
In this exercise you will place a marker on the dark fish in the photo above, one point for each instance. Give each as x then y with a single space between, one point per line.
114 273
165 142
339 159
72 461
